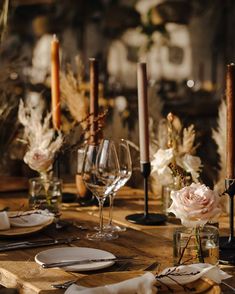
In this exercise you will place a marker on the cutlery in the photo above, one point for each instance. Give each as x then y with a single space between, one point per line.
34 244
64 285
83 261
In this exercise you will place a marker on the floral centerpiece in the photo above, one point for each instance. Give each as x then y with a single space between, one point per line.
175 156
42 140
196 205
43 143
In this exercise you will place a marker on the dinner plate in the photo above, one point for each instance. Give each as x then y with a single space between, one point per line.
29 218
21 231
75 253
202 285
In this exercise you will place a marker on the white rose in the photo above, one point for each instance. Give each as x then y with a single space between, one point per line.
195 205
162 158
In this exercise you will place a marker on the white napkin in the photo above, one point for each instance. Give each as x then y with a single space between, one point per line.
189 273
4 221
145 284
140 285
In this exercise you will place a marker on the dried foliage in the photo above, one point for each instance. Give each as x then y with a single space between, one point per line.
73 93
40 137
3 18
219 135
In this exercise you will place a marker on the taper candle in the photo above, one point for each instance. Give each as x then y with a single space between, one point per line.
143 112
55 83
94 95
230 97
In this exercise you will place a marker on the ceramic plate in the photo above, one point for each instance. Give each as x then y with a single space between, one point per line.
75 253
31 218
17 231
205 286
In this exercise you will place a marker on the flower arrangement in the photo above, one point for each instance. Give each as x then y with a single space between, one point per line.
196 205
175 156
42 141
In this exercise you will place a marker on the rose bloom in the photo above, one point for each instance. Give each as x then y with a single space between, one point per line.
39 160
162 158
195 205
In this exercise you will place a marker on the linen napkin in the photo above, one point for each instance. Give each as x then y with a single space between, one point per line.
4 221
140 285
146 284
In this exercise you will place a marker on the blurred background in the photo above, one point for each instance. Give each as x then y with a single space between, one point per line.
186 44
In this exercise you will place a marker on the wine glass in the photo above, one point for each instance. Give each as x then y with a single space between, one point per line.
125 163
100 170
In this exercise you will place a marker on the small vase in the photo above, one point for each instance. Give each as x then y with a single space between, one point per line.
196 245
45 193
84 195
166 195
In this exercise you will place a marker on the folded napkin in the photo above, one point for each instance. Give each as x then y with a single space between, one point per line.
147 283
140 285
4 221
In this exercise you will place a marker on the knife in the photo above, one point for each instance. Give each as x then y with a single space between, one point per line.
84 261
34 244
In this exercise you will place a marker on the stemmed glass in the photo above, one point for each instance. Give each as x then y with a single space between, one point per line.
125 163
100 170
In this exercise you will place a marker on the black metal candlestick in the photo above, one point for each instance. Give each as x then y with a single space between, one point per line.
146 218
227 244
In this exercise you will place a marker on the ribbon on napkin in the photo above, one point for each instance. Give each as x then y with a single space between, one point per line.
147 283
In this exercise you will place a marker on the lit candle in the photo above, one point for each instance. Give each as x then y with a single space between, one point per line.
55 83
230 97
94 94
143 112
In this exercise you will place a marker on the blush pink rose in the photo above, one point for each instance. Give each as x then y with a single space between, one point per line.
39 160
195 205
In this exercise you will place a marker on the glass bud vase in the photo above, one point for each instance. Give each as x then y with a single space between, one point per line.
196 245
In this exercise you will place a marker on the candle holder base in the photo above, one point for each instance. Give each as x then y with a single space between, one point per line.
227 250
150 219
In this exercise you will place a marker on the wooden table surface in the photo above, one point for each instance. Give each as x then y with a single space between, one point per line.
151 243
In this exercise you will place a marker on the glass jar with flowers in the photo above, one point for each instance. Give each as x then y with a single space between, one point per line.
195 242
175 165
43 143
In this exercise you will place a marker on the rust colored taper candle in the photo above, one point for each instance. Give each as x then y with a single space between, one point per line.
227 244
230 97
145 218
94 105
55 83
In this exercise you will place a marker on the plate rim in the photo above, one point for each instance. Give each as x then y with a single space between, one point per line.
21 231
73 268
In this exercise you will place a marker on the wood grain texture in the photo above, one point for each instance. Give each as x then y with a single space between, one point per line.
149 244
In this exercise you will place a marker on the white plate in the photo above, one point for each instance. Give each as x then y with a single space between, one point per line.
75 253
29 218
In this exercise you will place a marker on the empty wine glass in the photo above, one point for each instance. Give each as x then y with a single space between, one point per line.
100 170
125 163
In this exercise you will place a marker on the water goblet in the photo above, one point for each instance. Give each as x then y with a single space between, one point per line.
99 172
125 163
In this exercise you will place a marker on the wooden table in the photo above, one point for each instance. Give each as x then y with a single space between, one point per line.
151 243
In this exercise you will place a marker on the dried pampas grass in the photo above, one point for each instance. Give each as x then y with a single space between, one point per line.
219 135
73 93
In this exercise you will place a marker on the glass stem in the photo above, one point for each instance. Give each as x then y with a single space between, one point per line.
111 200
101 204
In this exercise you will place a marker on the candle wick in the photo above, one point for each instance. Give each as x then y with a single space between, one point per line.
55 37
